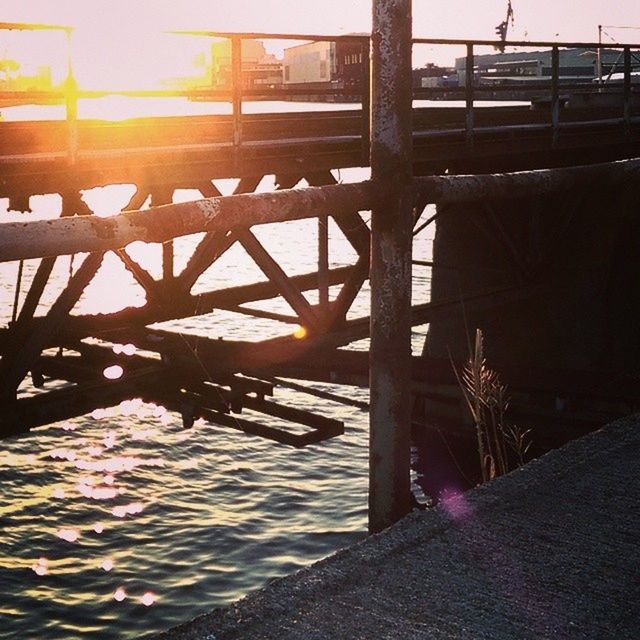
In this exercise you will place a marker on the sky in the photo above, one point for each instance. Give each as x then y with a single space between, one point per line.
119 34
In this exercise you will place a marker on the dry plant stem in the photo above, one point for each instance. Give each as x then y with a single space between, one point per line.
487 402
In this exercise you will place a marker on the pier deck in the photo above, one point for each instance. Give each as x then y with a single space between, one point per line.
549 551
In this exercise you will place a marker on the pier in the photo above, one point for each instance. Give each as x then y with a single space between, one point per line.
548 551
516 192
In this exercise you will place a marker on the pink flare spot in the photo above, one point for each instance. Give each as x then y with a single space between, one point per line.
455 504
148 599
107 564
98 527
70 535
128 349
120 594
108 479
58 493
117 349
40 569
98 414
113 372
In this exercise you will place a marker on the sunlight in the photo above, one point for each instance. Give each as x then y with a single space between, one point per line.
300 333
68 534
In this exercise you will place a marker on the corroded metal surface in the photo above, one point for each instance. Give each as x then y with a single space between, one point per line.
158 224
463 188
391 240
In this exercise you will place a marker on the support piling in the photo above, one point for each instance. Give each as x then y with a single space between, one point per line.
392 223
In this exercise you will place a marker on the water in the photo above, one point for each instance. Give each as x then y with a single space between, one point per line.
120 523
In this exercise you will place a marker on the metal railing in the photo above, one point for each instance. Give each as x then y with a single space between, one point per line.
551 91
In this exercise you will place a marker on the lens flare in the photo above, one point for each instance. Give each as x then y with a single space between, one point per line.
300 333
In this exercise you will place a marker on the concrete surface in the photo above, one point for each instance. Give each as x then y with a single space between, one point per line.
549 551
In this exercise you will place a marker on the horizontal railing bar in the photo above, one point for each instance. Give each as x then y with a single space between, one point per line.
465 188
524 43
438 41
87 234
256 35
65 236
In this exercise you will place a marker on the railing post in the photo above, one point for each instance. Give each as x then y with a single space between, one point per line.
627 88
468 91
391 239
71 104
236 93
599 55
555 93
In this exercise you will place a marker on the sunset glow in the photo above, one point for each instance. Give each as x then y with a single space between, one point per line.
124 45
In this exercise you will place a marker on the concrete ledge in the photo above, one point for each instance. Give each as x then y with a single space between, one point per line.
549 551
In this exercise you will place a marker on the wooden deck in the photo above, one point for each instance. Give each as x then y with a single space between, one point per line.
549 551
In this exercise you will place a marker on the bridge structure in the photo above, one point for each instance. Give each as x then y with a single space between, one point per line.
479 162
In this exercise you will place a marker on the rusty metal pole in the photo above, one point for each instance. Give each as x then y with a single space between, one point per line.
392 222
71 102
236 96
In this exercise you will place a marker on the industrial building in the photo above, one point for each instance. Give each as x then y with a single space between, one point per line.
260 70
338 64
530 67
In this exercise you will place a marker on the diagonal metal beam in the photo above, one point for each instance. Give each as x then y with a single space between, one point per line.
138 199
215 243
275 273
14 367
39 282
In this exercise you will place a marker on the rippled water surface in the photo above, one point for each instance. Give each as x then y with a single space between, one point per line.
121 523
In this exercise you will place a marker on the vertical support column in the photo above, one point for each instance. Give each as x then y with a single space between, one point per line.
555 92
236 93
468 91
627 88
323 266
392 222
161 196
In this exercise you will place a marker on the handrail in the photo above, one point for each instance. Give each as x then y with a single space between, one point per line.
274 36
235 93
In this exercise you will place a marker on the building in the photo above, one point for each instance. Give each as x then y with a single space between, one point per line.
530 67
338 64
259 68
